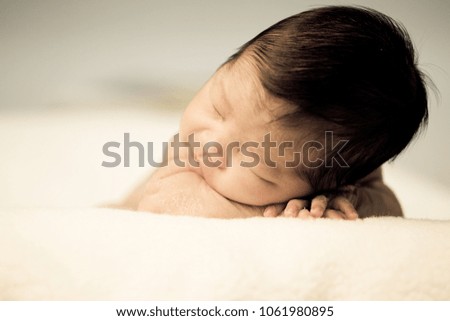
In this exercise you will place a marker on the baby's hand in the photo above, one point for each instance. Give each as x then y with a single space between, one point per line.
337 206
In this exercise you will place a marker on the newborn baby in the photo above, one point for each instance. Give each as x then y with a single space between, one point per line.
297 123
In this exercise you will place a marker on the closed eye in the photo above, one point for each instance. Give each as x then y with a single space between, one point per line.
264 179
218 112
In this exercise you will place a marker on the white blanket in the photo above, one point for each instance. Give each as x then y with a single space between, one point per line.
105 254
55 245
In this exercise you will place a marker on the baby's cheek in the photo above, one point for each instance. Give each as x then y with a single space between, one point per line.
242 186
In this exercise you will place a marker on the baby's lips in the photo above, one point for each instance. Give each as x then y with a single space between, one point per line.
213 160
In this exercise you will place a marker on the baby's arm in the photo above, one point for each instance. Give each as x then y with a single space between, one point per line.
186 193
175 189
179 191
371 197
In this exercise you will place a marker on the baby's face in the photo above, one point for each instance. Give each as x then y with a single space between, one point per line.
238 150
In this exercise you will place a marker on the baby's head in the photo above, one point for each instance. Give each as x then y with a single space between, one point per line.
350 72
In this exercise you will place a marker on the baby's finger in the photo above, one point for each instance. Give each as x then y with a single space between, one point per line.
293 207
346 207
319 205
304 214
333 214
273 210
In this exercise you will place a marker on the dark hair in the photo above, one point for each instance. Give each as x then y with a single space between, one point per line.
351 70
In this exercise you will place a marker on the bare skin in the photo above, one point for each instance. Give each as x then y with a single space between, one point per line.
368 197
179 191
233 108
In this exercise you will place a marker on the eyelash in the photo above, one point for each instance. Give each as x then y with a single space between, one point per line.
217 112
265 180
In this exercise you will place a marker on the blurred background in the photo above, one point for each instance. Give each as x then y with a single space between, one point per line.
75 74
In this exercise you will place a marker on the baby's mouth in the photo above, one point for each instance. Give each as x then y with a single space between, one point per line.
196 169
